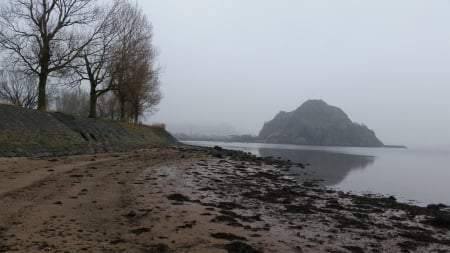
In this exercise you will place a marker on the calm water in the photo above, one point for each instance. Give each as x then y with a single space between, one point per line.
418 176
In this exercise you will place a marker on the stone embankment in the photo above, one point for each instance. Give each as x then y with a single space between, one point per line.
26 132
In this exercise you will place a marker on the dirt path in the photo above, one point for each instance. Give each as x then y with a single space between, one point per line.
178 200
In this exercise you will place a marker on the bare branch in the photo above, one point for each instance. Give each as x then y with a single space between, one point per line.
134 74
44 36
18 89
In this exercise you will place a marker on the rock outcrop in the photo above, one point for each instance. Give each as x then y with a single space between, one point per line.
317 123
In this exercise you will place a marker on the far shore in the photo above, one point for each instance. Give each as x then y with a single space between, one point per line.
293 144
192 199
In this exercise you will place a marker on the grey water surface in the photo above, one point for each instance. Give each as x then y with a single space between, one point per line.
411 175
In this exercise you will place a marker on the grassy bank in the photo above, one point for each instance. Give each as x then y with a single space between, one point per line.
26 132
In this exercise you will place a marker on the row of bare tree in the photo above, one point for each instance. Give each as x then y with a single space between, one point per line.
72 42
76 102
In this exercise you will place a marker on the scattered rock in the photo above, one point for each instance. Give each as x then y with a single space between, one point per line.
117 241
139 231
267 175
229 205
228 236
207 188
130 215
408 245
441 220
178 197
240 247
188 224
436 207
392 198
44 246
157 248
354 249
227 220
303 209
217 148
420 236
298 249
217 154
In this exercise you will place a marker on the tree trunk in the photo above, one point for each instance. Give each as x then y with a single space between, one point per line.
122 107
136 113
93 103
42 97
44 60
136 118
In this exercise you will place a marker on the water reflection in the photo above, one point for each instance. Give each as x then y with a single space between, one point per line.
331 167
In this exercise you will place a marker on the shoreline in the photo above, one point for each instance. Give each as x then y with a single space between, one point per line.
383 172
191 199
291 144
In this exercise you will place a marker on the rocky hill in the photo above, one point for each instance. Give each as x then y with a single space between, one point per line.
26 132
317 123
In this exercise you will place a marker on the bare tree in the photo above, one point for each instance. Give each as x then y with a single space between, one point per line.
73 102
143 93
44 36
94 62
18 89
135 77
108 106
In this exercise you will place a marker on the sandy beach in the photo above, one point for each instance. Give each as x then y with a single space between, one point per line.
185 199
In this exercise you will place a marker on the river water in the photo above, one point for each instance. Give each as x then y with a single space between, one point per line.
411 175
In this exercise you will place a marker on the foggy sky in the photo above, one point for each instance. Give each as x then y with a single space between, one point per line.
386 63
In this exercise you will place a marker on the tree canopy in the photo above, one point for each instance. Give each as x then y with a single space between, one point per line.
75 42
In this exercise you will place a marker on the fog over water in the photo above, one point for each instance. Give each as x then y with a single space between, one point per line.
385 63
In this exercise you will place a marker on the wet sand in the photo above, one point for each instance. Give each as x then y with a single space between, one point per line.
185 199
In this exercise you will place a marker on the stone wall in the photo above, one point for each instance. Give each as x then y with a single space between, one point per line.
25 132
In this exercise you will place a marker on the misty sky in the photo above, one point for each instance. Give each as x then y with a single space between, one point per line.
386 63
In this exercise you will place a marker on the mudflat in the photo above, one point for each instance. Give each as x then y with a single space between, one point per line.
186 199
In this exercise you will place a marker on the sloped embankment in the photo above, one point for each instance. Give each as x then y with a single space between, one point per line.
33 133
